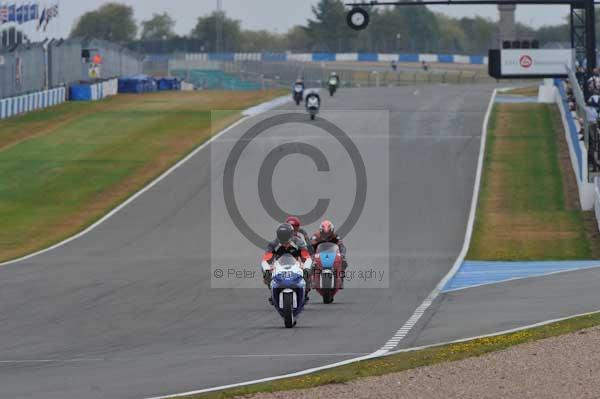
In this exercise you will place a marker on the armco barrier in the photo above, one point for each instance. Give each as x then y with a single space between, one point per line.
446 58
346 57
477 59
93 91
110 88
331 57
408 58
577 151
461 59
387 57
273 57
372 57
317 57
19 105
221 56
597 200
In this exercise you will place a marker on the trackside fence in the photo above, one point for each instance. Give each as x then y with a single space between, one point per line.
30 68
236 75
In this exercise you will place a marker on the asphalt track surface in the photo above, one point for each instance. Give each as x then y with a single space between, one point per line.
504 306
127 310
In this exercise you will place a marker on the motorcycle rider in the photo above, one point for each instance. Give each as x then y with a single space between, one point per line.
300 82
297 95
326 233
312 93
312 103
285 243
334 75
298 231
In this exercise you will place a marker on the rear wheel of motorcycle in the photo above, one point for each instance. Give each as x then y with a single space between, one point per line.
288 309
327 282
312 117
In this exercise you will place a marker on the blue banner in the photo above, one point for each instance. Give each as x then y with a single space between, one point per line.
20 14
12 13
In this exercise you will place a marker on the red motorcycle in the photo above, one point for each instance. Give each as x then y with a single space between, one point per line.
328 273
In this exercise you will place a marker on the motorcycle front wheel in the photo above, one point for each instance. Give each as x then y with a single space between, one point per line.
288 309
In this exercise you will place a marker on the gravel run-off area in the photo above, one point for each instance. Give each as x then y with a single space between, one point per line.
567 366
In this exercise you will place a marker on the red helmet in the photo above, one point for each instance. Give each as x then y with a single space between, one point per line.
326 229
294 221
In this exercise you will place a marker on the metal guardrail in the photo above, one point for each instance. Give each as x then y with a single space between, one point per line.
316 75
581 104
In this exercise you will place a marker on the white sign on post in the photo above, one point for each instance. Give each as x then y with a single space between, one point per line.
523 62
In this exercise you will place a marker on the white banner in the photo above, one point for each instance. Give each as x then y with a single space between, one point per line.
535 61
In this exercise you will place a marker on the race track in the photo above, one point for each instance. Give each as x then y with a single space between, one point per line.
127 310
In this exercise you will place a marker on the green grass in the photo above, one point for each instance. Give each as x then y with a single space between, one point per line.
409 360
522 212
63 168
530 91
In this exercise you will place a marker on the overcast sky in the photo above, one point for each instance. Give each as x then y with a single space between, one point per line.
275 15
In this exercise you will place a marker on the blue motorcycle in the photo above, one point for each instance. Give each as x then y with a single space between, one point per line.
288 288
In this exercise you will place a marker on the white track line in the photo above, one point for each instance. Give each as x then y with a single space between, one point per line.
378 354
512 330
289 355
246 115
297 374
412 321
155 358
400 334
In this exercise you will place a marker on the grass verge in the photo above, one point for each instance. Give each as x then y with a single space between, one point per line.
62 168
530 91
408 360
524 210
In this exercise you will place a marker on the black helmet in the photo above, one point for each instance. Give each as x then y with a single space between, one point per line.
285 232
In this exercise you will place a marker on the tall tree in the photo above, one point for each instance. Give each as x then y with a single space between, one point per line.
328 31
113 22
159 27
389 32
256 41
206 30
298 39
452 37
481 33
423 28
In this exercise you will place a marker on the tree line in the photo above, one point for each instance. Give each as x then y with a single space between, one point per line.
392 29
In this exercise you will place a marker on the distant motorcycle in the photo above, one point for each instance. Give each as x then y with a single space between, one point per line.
327 275
298 93
313 104
333 84
288 288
